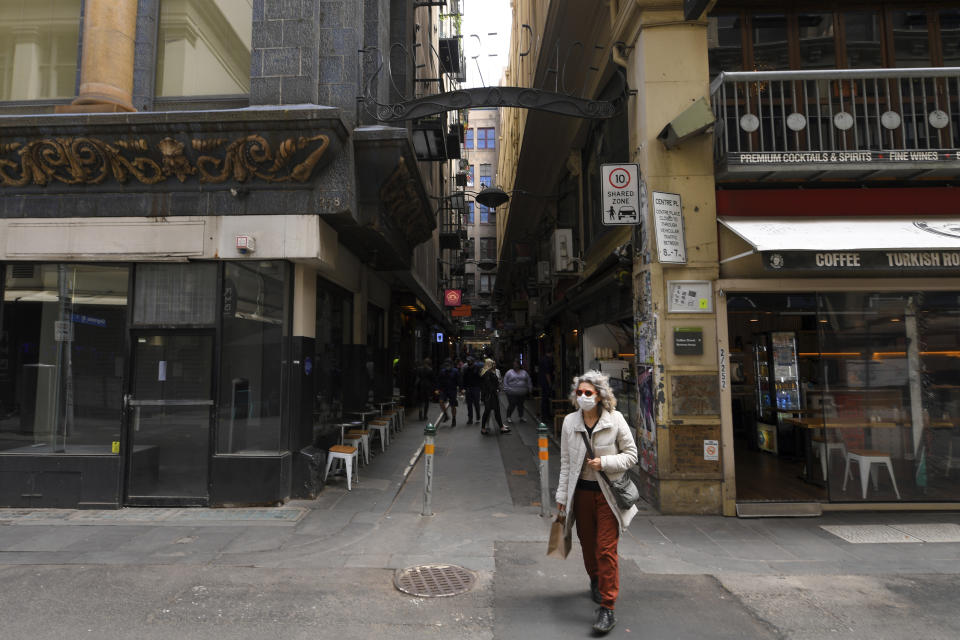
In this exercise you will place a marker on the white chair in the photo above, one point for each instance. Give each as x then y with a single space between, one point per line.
382 427
822 449
346 455
866 459
952 460
361 437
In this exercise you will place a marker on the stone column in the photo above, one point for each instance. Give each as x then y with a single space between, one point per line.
106 72
26 67
685 387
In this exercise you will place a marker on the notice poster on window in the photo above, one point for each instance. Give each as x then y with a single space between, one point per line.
886 372
162 371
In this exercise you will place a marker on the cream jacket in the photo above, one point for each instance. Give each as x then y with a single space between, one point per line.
613 442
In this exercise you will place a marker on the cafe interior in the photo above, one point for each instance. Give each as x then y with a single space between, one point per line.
846 396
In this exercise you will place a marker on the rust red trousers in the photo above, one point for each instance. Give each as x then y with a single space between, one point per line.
599 533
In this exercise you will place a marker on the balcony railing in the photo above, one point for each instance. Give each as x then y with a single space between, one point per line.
838 123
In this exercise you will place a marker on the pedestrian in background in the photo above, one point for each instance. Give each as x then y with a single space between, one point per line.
517 385
426 384
546 389
449 382
582 493
471 389
490 389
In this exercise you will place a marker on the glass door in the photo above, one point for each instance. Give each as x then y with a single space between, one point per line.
170 408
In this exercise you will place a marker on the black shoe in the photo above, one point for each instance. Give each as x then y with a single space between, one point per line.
605 620
595 592
454 423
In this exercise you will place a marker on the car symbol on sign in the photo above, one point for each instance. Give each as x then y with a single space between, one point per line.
626 212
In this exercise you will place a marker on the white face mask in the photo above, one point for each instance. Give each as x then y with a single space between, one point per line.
587 403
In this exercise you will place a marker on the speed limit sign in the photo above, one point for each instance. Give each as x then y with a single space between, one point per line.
620 186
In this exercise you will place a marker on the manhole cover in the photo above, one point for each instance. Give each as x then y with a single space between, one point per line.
434 580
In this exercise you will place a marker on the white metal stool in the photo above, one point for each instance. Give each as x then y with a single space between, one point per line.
347 455
361 436
867 458
822 449
382 427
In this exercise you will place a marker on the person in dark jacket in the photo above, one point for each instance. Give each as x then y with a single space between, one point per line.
426 384
490 388
449 382
471 389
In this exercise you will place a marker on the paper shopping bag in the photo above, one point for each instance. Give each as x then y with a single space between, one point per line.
559 544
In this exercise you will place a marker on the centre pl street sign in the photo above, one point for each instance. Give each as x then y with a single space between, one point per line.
621 188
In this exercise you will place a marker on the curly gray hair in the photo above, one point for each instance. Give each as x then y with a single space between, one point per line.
601 383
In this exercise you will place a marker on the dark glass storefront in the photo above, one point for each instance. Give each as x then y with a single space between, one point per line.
846 396
158 383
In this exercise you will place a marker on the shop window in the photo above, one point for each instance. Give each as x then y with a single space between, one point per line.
378 367
486 138
724 46
816 36
255 318
62 338
488 248
176 294
826 380
911 44
486 175
862 38
487 282
204 47
950 37
38 48
334 333
770 45
487 215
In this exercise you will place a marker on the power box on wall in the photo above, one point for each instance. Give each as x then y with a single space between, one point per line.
563 254
543 272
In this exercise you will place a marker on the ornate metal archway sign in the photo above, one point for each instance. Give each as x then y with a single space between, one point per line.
562 100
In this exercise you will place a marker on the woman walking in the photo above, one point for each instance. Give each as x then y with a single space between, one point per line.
584 496
490 387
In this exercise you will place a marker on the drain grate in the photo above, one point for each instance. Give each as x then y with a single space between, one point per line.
434 580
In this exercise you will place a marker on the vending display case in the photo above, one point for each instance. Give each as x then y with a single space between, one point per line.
786 384
777 388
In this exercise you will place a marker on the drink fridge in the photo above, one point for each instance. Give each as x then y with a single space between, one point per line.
777 389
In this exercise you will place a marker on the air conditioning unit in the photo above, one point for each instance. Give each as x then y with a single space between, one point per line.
543 272
563 257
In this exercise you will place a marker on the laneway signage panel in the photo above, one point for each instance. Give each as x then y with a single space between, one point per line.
620 187
668 222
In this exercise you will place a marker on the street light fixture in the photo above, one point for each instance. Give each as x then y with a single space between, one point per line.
492 197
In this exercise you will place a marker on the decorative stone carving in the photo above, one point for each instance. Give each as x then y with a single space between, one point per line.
89 161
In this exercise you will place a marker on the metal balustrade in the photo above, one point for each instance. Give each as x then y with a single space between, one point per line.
840 121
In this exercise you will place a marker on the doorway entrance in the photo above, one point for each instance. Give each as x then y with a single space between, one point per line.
170 409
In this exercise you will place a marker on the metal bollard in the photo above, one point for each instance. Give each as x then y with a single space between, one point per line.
544 470
428 434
